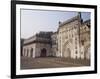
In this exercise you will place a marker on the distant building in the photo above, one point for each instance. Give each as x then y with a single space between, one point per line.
72 40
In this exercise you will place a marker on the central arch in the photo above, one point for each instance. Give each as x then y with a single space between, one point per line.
43 52
67 48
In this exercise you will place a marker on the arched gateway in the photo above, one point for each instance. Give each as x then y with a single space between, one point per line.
43 52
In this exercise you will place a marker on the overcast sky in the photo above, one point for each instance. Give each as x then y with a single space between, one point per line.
33 21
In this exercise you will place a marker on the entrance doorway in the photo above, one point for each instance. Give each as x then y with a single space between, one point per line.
68 52
87 53
43 52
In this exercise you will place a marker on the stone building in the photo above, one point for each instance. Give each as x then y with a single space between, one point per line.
72 40
38 45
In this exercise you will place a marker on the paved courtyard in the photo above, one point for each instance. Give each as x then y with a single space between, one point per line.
51 62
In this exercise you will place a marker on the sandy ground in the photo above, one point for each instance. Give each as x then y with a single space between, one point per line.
51 62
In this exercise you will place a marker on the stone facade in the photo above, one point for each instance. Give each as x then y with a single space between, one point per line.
72 40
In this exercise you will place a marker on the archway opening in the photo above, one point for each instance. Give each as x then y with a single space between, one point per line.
43 52
87 53
68 52
31 53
